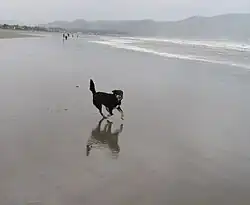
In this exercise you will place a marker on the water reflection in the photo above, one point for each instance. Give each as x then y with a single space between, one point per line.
104 138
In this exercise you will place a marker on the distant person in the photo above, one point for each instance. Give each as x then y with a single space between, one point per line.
65 36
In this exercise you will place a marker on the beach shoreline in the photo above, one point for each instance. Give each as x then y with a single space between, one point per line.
10 34
184 140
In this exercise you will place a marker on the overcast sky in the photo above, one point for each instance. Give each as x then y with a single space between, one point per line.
41 11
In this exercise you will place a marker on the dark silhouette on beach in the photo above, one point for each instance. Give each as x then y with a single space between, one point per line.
101 137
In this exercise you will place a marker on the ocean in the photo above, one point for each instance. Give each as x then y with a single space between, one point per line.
210 51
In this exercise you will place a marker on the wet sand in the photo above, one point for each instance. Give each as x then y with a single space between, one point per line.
5 34
184 140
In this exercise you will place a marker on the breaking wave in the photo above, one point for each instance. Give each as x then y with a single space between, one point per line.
126 44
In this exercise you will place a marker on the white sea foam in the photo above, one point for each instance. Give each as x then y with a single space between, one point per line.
121 45
209 44
120 40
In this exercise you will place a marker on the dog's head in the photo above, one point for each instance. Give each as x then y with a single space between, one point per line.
118 94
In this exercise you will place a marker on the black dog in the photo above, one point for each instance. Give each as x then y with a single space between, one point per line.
109 100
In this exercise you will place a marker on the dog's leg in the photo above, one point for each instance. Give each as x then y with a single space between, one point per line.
121 111
100 110
107 109
99 107
110 110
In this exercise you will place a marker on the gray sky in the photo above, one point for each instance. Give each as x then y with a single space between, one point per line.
41 11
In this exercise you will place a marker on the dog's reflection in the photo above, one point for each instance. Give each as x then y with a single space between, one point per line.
104 137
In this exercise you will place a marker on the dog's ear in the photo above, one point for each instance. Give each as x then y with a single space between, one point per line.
114 91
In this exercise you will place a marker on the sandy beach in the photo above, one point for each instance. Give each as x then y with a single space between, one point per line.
5 34
184 140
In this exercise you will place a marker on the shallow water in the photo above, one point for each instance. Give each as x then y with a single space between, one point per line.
184 140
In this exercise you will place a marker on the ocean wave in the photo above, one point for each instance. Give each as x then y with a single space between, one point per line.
115 44
209 44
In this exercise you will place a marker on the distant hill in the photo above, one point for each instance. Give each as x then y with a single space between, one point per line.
229 26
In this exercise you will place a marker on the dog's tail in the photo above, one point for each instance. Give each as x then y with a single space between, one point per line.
92 86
